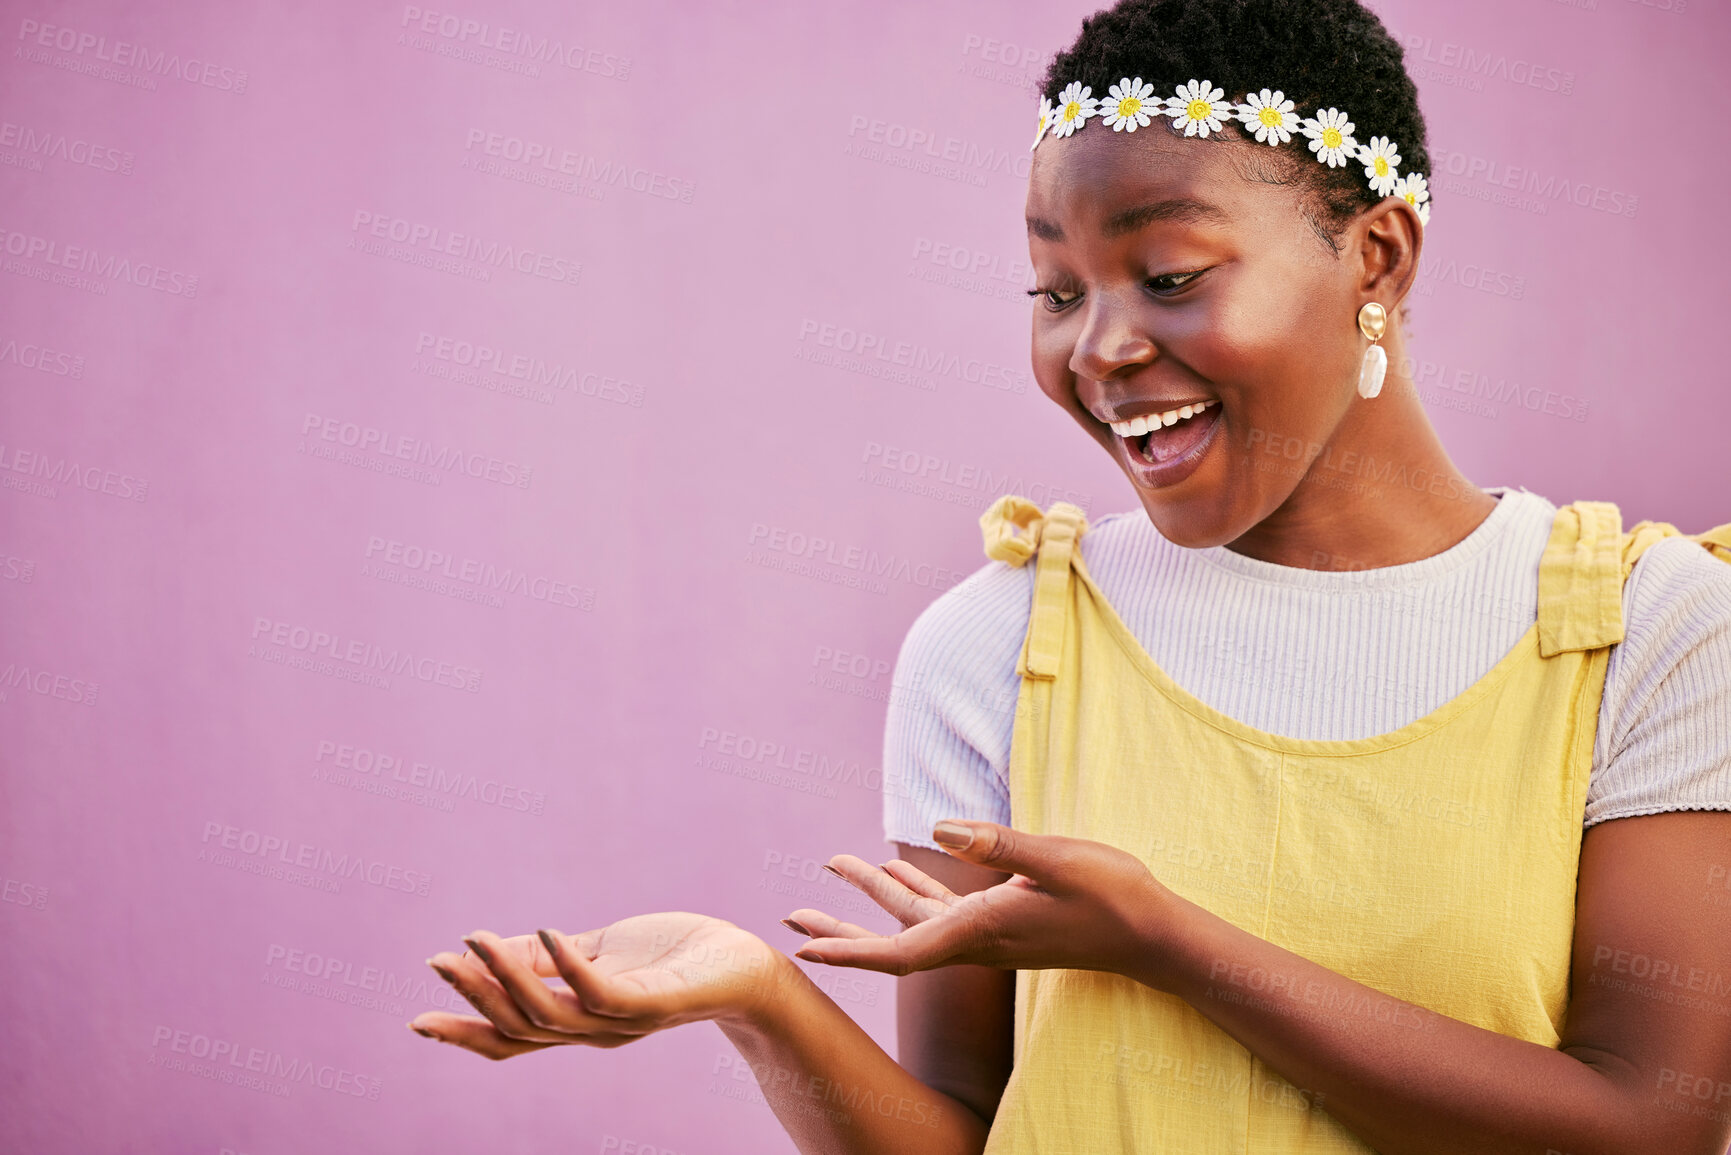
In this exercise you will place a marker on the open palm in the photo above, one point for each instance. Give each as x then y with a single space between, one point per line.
1073 903
623 981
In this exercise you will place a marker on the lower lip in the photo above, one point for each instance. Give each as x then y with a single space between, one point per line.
1158 476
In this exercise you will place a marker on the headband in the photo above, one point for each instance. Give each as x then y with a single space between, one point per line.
1199 109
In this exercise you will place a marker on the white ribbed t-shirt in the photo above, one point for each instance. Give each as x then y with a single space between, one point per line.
1324 654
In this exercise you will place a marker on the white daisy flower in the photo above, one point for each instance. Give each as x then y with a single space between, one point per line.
1413 189
1075 105
1045 121
1424 213
1198 108
1269 115
1128 106
1380 160
1330 136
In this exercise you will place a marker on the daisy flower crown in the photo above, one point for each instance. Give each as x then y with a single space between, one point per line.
1199 108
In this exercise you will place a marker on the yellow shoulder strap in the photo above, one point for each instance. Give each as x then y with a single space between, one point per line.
1585 564
1051 535
1581 579
1716 541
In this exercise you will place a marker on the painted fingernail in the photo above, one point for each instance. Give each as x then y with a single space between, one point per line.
808 956
422 1031
953 835
548 941
475 945
444 971
792 925
835 872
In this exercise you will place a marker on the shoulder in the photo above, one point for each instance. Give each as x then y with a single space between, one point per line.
967 640
1676 627
1677 587
1665 724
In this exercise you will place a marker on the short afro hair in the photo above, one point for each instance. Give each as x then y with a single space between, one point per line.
1320 53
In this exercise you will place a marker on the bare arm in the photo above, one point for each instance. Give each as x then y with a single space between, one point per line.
1643 1065
832 1087
1645 1060
955 1025
835 1090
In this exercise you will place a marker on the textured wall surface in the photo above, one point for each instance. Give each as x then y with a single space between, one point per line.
474 468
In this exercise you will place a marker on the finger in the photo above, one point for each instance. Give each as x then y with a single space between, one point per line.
905 906
540 1004
471 1034
615 1003
929 944
817 924
1041 857
528 950
476 983
919 881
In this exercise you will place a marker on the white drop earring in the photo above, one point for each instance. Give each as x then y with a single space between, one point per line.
1372 322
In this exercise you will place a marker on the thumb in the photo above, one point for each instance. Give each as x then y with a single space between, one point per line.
1038 856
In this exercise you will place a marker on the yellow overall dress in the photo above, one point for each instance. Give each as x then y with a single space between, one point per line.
1435 863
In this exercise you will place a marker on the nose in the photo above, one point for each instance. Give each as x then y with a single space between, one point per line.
1112 339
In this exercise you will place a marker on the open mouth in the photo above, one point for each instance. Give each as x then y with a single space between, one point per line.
1161 437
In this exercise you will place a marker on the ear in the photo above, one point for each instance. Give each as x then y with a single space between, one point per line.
1390 236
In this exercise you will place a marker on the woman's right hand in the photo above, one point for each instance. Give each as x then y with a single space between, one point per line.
633 978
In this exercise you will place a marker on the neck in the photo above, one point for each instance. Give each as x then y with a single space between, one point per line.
1382 492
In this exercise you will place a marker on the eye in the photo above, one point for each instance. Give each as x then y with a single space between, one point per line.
1167 284
1052 299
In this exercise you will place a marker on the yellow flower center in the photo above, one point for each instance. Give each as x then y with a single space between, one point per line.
1381 167
1129 106
1072 110
1270 117
1331 138
1199 110
1412 199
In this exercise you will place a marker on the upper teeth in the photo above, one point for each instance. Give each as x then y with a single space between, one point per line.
1137 426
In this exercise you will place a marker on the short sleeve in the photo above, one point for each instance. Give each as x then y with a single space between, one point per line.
952 706
1664 738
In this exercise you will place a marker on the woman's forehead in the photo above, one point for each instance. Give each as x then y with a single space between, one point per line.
1117 183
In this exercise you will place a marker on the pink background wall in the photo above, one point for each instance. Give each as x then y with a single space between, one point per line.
666 448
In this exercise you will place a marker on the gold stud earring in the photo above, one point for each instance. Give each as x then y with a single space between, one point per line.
1372 322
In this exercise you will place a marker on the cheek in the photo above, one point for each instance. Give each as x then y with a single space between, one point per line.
1050 358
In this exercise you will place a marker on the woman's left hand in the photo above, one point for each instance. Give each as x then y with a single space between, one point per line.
1071 902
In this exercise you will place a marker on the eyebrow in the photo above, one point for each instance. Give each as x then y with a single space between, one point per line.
1184 209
